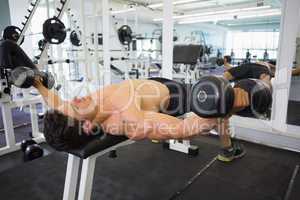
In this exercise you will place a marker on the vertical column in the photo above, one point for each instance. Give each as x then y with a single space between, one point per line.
106 49
8 125
287 47
34 121
167 39
83 37
86 178
71 177
96 69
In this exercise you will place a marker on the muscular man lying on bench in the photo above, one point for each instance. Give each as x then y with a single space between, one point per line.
138 109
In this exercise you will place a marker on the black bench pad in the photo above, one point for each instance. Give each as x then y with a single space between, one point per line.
97 144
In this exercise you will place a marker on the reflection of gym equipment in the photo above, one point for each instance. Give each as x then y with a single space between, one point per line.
11 56
12 33
75 35
248 57
189 56
219 53
17 34
266 55
54 31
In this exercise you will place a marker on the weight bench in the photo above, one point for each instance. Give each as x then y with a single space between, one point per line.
88 155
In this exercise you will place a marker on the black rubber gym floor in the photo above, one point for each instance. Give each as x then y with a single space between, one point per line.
144 171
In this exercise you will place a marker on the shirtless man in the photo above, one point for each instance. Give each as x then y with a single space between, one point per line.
137 109
245 77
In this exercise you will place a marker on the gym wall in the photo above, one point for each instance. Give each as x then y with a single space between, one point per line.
5 15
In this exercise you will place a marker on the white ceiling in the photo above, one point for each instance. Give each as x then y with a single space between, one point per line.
203 6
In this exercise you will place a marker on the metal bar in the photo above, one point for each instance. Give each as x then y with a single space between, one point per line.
8 125
44 53
106 45
289 27
34 121
26 25
71 177
167 37
86 179
83 39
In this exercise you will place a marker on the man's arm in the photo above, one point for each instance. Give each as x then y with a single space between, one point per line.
159 126
55 102
296 71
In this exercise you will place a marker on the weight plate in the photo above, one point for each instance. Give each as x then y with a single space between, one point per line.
12 33
75 40
125 34
54 31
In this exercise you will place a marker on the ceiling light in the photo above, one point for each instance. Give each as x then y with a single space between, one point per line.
122 11
217 12
158 5
230 17
260 15
253 23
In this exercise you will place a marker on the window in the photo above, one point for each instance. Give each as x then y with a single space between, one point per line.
256 42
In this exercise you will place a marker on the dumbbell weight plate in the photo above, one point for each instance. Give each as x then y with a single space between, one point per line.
12 33
220 61
33 152
125 34
54 31
74 39
212 97
41 44
22 77
26 143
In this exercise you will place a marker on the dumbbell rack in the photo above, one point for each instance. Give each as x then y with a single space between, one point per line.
31 10
43 57
73 22
74 71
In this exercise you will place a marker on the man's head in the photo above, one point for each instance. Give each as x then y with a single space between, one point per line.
85 107
271 70
227 59
252 96
62 132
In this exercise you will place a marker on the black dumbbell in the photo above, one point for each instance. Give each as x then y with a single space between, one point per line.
220 61
31 150
24 77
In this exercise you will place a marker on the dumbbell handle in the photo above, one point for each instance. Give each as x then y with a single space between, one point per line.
46 78
24 77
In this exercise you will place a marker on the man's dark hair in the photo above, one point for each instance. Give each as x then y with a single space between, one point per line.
63 133
273 62
228 58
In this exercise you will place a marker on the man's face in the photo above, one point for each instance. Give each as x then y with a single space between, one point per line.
225 60
81 102
85 106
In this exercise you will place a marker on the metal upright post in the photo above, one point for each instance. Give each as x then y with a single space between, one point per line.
167 39
106 48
